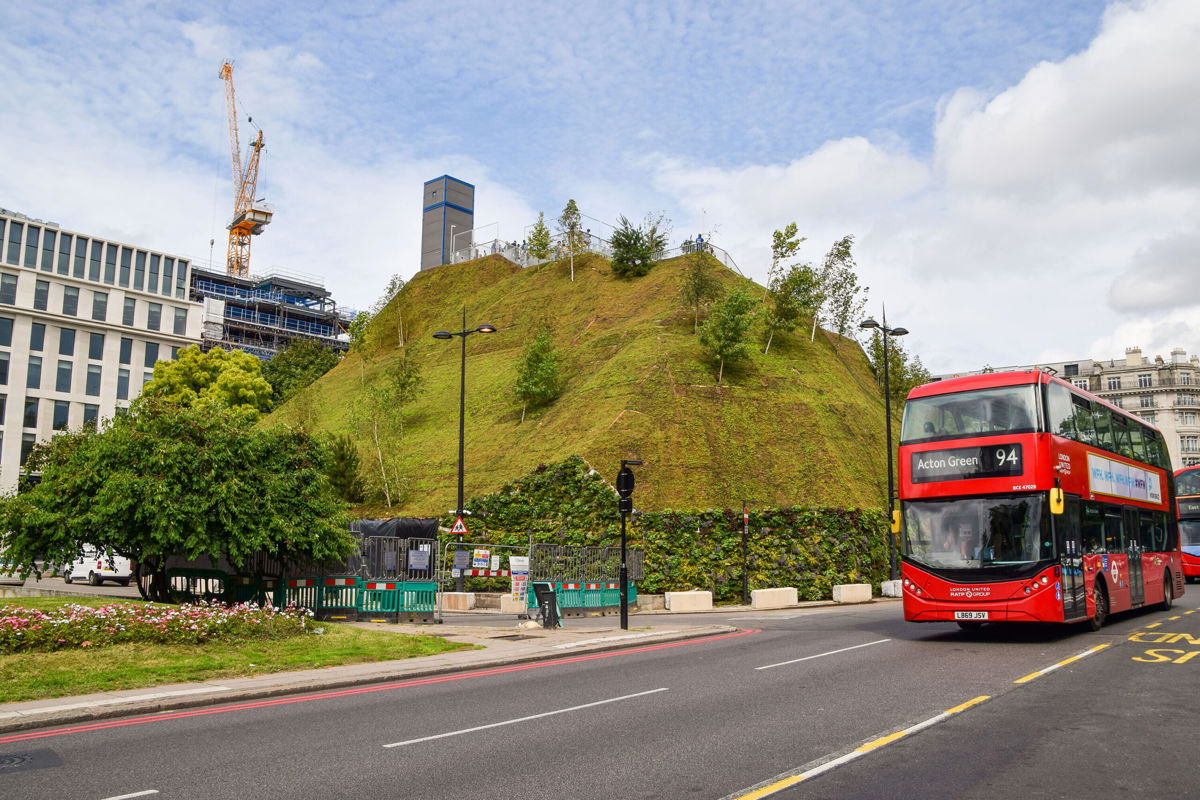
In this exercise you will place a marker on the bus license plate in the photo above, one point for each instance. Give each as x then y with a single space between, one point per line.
973 615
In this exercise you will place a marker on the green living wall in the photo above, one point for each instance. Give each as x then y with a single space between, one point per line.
567 503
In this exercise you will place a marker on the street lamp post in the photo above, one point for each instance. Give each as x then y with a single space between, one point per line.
625 506
462 407
888 333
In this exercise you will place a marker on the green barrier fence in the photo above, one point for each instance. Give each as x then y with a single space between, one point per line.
194 585
583 599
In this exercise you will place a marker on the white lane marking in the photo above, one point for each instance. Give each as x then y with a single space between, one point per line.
135 794
609 639
525 719
112 701
822 655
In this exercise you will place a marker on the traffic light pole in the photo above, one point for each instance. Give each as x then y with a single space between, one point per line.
625 506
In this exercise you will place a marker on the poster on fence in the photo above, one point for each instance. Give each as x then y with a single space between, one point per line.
480 558
418 559
518 567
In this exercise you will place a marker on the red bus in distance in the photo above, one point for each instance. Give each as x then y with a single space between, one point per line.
1187 490
1026 499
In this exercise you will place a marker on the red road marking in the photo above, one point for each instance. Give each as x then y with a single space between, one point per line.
200 712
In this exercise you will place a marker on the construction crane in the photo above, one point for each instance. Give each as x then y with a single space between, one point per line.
250 216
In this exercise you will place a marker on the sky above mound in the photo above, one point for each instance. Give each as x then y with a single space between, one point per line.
1022 177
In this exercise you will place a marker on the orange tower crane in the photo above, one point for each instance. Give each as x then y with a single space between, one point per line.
250 216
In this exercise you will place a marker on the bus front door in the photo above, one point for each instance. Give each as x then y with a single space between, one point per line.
1070 559
1133 548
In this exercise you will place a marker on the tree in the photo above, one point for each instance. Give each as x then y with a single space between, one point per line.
539 242
233 378
905 371
360 335
635 248
297 365
358 331
378 412
724 332
539 381
344 470
784 245
570 227
843 299
699 285
166 479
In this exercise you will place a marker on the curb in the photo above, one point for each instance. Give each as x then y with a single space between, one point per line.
110 709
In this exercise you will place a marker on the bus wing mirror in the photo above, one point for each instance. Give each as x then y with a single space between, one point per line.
896 521
1056 501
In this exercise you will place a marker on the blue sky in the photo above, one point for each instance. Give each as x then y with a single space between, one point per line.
1021 177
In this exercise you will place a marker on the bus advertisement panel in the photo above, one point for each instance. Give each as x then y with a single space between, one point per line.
1023 498
1187 490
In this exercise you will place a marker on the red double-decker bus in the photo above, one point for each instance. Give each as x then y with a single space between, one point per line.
1024 498
1187 490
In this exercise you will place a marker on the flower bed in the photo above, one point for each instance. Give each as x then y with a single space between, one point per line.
73 626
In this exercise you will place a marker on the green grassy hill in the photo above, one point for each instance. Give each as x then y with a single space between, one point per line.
800 426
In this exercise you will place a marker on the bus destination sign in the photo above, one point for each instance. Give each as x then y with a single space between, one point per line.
964 463
1189 508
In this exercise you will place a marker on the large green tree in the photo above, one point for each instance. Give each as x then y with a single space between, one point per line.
297 366
635 247
165 480
232 378
539 379
724 332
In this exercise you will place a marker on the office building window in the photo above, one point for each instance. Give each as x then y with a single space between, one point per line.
62 381
37 336
110 264
146 378
1145 379
181 281
1187 418
122 384
154 317
62 411
1114 382
1189 444
123 276
92 388
1149 416
180 321
126 350
174 353
1146 401
96 346
1070 370
3 368
91 414
1118 402
66 342
14 242
31 411
28 440
77 265
70 301
1185 379
99 306
33 374
8 288
139 270
3 405
64 254
151 355
127 315
41 295
168 283
6 328
49 239
31 246
94 261
152 280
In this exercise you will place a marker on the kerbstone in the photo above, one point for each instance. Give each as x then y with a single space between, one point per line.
689 601
852 593
779 597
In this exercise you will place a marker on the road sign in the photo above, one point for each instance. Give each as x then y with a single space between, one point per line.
459 526
625 481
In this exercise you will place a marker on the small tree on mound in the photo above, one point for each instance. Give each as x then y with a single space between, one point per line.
699 286
540 243
724 332
539 381
635 248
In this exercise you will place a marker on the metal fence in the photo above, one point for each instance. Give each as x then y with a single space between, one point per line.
552 562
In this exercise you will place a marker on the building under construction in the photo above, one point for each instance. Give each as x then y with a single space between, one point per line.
262 314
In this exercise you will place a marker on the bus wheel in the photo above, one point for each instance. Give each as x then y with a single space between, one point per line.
1100 598
968 625
1168 593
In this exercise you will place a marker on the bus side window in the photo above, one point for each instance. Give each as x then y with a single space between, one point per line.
1138 441
1172 531
1121 436
1092 530
1085 429
1102 419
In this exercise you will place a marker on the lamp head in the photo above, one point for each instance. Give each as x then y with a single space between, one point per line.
898 332
485 328
443 335
868 323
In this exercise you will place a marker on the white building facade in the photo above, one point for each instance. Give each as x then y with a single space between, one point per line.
83 320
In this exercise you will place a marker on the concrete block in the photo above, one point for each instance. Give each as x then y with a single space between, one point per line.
890 588
510 606
688 601
781 597
852 593
650 602
458 601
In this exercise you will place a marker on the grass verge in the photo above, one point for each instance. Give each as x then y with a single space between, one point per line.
35 676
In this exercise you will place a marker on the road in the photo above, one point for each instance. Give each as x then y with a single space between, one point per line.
775 705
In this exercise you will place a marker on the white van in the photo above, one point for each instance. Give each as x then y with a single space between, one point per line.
96 567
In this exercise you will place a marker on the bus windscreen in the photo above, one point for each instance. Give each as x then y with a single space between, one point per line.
1002 535
1189 536
1187 483
982 412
